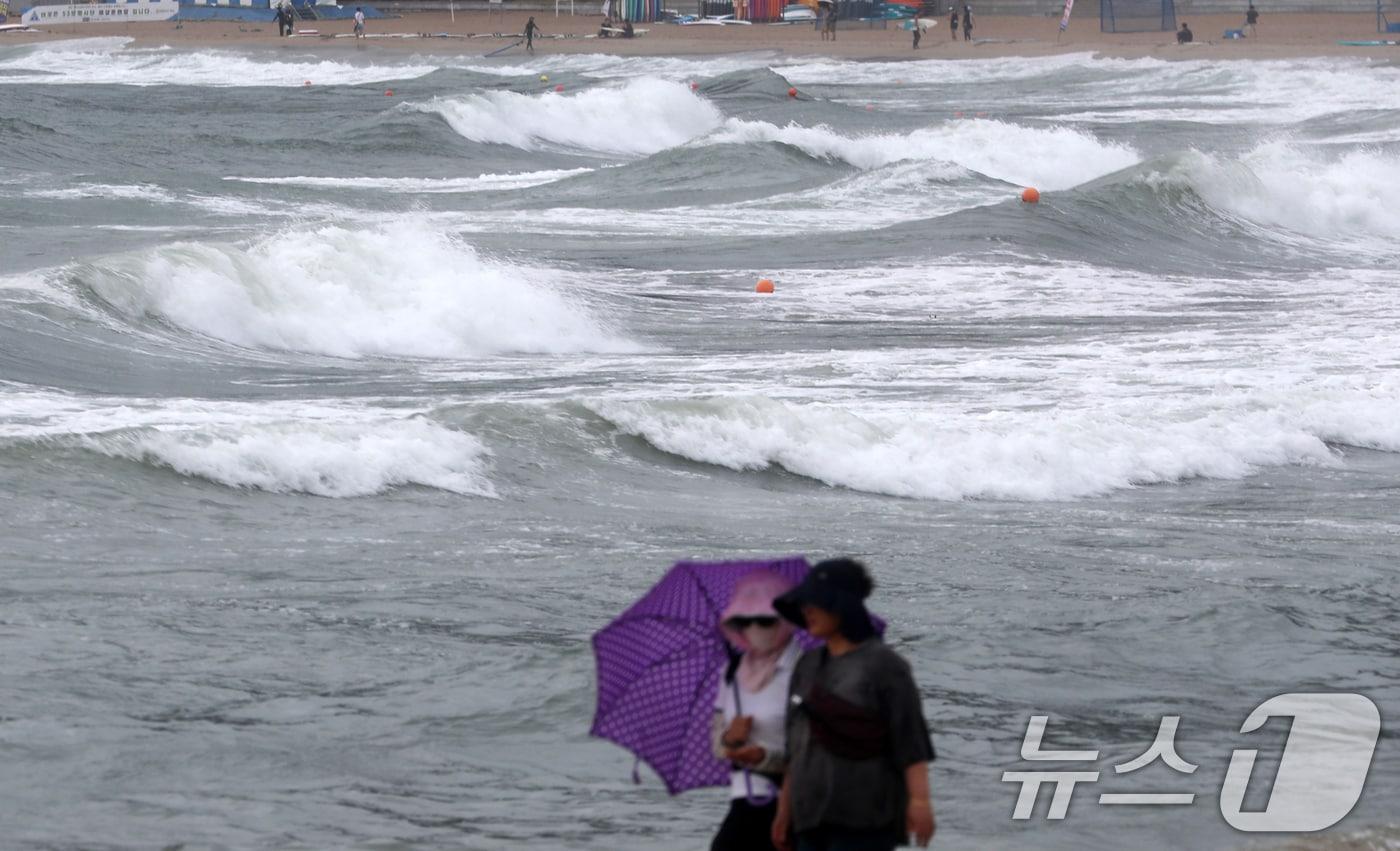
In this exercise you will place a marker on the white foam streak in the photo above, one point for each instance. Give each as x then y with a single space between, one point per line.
424 185
111 61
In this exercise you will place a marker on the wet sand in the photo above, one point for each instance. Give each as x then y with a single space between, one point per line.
1280 36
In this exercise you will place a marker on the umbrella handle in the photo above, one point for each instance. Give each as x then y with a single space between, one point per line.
756 800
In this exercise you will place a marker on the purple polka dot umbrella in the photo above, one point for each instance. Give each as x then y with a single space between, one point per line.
659 667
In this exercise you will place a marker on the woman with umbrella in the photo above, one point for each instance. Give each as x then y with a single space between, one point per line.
751 710
858 745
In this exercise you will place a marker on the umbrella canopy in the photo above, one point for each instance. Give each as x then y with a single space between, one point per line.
659 667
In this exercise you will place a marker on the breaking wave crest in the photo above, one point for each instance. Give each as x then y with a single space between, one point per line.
402 290
322 459
1002 455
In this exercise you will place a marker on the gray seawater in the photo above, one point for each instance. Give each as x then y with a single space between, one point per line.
332 424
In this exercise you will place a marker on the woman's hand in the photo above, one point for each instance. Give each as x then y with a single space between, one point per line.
738 732
919 821
747 755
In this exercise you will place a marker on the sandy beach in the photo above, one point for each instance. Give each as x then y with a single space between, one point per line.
1280 37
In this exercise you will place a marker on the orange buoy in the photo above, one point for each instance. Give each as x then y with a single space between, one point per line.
559 88
981 115
306 82
388 93
957 115
764 286
694 87
792 93
1030 195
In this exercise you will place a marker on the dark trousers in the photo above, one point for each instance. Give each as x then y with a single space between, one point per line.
746 827
845 839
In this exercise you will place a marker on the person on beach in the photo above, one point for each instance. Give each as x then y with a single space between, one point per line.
917 33
967 23
857 743
284 19
953 21
359 22
1251 17
749 725
1184 35
530 32
831 22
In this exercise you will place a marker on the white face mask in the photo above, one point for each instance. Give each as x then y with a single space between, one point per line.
762 638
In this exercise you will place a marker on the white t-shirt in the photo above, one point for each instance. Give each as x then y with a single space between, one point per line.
768 706
360 18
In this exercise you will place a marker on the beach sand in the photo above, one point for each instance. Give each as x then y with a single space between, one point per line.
1280 36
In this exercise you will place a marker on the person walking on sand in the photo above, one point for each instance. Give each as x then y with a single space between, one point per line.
831 22
1184 35
953 21
857 743
1251 17
749 726
530 32
917 33
359 22
967 23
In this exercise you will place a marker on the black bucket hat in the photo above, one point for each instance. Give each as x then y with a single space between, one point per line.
839 586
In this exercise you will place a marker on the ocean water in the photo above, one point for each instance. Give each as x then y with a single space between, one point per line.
332 424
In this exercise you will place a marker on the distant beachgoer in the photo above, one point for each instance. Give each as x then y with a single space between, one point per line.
285 21
831 22
627 31
605 31
967 23
530 32
917 33
750 720
857 743
1184 35
953 21
1251 17
359 22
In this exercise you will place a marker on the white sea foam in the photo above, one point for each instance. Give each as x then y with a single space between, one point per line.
111 61
1049 157
1131 90
427 185
403 289
637 118
1005 454
126 192
1308 191
334 460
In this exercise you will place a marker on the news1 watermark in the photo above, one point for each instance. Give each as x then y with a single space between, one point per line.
1321 771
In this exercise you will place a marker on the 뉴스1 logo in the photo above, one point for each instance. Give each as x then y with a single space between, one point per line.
1320 774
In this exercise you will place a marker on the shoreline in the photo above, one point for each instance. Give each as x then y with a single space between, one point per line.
1282 36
